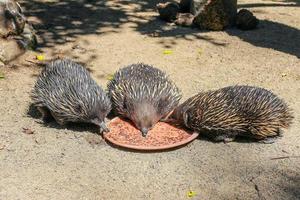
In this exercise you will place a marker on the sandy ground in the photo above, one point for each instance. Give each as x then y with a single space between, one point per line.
74 163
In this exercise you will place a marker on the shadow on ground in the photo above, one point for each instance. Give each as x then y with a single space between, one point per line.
291 3
76 127
60 22
272 35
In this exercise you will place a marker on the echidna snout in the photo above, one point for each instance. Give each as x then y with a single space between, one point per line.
99 120
101 124
144 116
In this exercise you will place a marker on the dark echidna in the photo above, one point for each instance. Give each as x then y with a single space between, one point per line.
143 94
66 91
235 110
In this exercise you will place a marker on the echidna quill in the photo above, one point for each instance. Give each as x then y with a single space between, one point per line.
143 94
234 111
66 90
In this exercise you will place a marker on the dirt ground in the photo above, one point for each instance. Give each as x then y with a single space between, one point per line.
75 163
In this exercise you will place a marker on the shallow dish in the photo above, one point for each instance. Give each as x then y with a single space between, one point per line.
162 136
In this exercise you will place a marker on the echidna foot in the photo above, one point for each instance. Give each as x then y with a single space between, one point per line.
58 120
268 140
224 138
46 115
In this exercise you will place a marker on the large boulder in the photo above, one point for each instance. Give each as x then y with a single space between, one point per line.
10 49
211 14
12 20
16 35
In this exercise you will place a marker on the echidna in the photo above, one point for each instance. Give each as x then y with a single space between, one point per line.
143 94
235 110
66 90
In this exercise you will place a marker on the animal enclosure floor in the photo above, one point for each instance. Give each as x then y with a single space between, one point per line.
74 163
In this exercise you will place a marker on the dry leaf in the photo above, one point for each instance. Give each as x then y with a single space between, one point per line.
283 75
200 51
110 77
168 52
191 193
27 131
40 57
2 75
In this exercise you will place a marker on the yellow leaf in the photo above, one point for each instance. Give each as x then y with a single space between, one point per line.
191 193
110 77
2 75
40 57
168 52
200 51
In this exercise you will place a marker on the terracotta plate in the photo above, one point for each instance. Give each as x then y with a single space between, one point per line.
162 136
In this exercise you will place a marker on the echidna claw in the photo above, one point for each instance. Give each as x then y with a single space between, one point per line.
269 140
227 140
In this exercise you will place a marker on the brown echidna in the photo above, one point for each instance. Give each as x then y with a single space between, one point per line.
66 91
235 110
143 94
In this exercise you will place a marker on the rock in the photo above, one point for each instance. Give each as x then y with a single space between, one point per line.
246 20
185 6
168 11
16 34
10 49
211 14
196 6
12 20
184 19
28 38
230 7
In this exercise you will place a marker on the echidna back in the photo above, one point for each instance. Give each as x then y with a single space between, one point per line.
239 108
143 83
67 89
